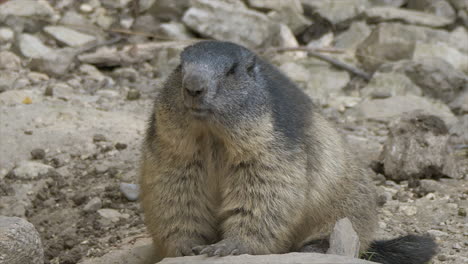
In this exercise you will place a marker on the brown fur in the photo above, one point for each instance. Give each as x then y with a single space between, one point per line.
241 187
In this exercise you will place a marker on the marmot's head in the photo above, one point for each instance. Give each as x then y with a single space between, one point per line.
219 80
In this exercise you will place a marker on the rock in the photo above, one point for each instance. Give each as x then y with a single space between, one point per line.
145 4
38 154
289 13
15 97
336 12
460 105
115 3
134 250
27 8
69 36
9 61
389 108
93 205
437 7
99 138
170 10
110 214
86 8
120 146
416 147
106 93
130 191
319 80
408 210
91 72
443 51
389 83
427 186
174 30
387 13
55 63
437 78
19 242
395 3
351 38
133 94
379 47
6 35
32 47
289 258
30 170
231 22
37 77
344 241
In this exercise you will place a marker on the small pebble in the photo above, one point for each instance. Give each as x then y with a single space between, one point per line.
461 211
93 205
130 191
28 132
85 8
100 169
120 146
442 257
37 154
456 246
133 94
99 138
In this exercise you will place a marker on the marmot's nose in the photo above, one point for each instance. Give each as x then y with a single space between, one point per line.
195 86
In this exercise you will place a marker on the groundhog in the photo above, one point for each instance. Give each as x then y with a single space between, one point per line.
237 160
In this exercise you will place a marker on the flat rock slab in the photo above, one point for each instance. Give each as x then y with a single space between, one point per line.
344 241
296 258
386 13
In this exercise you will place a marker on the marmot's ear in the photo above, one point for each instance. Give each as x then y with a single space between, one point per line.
251 65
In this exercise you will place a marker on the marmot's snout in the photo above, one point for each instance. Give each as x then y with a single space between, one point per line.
195 87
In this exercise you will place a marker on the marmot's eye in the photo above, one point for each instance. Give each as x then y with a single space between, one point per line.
232 70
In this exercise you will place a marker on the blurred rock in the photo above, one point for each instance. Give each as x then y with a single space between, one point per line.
391 84
231 22
130 191
319 80
389 108
20 242
30 170
336 12
174 30
93 205
6 35
27 8
460 105
416 147
69 36
387 13
379 46
110 214
9 61
437 7
344 241
289 13
167 10
437 78
55 63
32 47
351 38
443 51
395 3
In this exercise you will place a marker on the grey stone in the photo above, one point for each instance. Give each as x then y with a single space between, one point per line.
416 147
391 84
344 241
38 154
436 7
444 51
231 22
27 8
110 214
379 47
6 35
56 63
145 4
93 205
174 30
19 242
32 47
133 94
134 250
289 258
171 10
460 105
69 36
351 38
115 3
9 61
437 78
387 13
30 170
428 186
130 191
337 11
387 109
395 3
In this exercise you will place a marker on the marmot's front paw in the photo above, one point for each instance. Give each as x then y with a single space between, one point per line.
185 249
224 247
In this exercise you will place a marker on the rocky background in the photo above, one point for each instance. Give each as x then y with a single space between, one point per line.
77 79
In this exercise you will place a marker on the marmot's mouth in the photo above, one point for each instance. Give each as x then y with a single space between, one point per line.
199 112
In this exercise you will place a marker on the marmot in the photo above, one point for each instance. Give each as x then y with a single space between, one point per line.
237 160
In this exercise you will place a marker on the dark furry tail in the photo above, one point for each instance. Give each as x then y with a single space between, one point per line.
410 249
